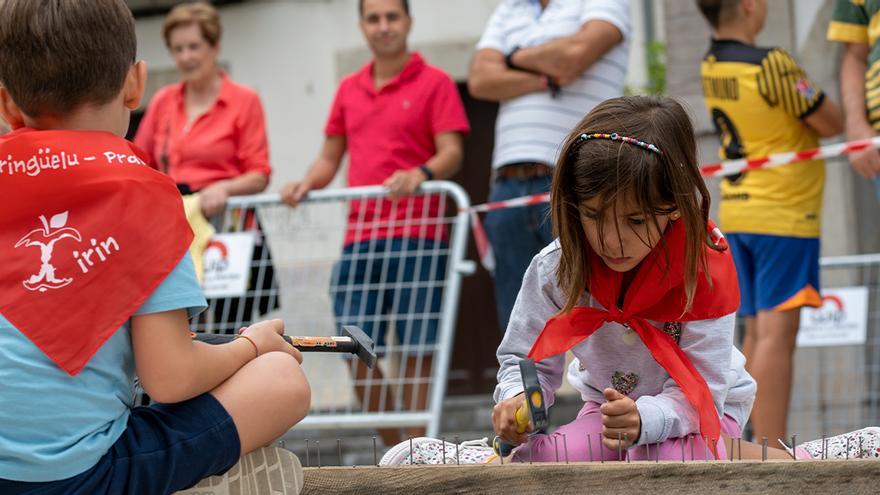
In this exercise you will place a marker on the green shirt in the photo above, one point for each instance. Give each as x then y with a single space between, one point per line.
858 21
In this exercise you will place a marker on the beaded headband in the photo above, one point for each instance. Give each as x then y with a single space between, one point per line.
616 137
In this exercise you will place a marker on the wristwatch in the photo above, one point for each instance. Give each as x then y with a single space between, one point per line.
427 171
508 60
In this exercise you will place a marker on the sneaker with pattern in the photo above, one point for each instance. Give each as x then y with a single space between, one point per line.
863 444
432 451
265 471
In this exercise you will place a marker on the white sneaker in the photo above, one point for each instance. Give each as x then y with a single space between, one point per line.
863 444
265 471
433 451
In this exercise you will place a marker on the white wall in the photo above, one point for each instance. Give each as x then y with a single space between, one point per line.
289 52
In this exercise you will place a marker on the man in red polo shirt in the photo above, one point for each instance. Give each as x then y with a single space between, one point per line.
402 122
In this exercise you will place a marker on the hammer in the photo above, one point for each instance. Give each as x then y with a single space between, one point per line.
532 409
353 341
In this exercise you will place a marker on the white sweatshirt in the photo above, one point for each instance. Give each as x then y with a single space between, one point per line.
615 357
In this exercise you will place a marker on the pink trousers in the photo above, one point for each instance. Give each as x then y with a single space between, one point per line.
581 441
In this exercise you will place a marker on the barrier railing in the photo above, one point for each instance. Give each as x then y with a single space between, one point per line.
356 257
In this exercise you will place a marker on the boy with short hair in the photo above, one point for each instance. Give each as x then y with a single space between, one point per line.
762 102
96 284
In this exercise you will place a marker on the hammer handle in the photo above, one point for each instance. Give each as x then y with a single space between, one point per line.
303 344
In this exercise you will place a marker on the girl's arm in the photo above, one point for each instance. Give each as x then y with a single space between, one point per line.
538 300
709 345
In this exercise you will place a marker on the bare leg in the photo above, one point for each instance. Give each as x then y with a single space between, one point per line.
771 366
420 375
752 451
265 398
749 339
368 387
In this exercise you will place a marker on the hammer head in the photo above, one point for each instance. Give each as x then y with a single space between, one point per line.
365 348
534 395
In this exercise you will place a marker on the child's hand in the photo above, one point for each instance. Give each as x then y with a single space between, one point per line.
267 335
619 415
504 420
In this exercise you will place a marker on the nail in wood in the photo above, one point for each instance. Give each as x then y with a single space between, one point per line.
375 454
565 447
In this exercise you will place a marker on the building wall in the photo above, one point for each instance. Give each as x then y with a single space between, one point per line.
294 53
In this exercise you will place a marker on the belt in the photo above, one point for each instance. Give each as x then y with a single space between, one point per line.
525 170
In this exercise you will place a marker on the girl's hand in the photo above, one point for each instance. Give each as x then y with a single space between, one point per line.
267 335
504 420
619 415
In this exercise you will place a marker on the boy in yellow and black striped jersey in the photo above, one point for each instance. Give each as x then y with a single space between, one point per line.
855 22
761 102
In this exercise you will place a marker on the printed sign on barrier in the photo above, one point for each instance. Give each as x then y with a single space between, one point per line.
842 319
227 261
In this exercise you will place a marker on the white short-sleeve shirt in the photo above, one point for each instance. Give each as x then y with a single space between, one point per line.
531 128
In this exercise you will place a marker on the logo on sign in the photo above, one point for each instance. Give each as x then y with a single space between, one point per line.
832 312
216 256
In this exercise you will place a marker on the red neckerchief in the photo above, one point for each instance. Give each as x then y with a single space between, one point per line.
87 233
656 293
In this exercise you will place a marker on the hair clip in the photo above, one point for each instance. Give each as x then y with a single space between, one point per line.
616 137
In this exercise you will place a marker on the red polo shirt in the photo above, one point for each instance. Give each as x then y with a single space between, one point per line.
393 129
226 141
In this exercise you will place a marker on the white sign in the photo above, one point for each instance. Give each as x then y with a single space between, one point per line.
227 264
842 319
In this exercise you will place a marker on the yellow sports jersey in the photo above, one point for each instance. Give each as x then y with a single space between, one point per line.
757 98
858 21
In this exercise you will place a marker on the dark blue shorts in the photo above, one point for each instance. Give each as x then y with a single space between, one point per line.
391 280
165 448
775 273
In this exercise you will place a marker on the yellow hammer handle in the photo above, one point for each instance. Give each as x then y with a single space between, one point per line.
522 418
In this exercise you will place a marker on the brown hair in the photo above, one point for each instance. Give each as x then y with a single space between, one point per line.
614 170
718 12
199 13
56 55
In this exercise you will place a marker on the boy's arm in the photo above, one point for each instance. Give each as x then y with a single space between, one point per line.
852 89
827 120
173 368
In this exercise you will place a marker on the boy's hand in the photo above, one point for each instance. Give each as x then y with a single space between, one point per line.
504 420
619 415
267 335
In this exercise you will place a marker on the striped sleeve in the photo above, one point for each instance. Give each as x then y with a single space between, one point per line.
783 82
849 22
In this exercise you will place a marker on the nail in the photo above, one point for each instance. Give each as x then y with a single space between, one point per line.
308 460
457 462
410 452
691 437
619 447
706 439
282 444
601 450
763 449
590 446
656 452
626 439
793 446
530 449
824 446
647 451
443 448
860 447
339 450
375 454
731 449
715 449
556 447
318 448
565 447
682 448
739 448
847 448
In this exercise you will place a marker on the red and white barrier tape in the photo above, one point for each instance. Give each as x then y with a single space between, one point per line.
727 167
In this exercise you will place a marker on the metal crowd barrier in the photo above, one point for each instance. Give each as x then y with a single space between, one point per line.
307 270
837 389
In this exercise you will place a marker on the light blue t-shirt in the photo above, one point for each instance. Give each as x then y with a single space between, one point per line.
53 425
